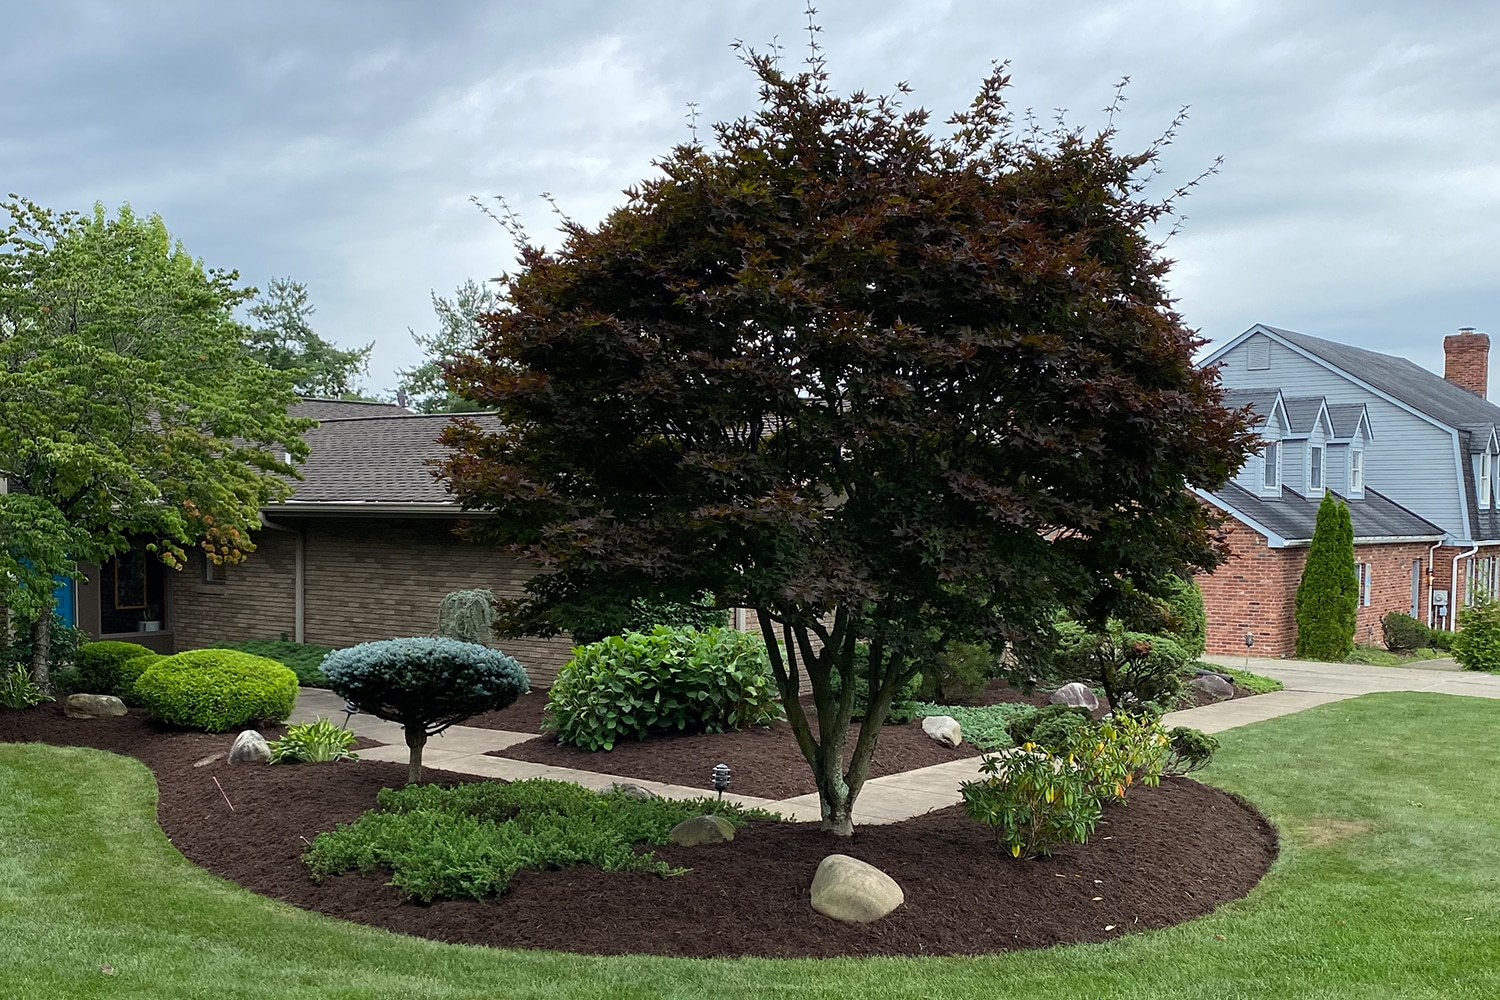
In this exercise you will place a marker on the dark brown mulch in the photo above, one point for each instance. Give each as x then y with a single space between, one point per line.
525 716
1172 854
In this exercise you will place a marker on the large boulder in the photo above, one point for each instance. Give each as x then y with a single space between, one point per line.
1213 685
696 831
250 747
1075 695
850 890
944 729
93 706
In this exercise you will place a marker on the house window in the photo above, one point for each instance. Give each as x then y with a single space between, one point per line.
1271 466
1315 469
1482 578
215 572
1356 472
1362 577
1486 462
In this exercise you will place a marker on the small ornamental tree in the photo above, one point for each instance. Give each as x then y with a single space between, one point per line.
424 684
880 386
1328 597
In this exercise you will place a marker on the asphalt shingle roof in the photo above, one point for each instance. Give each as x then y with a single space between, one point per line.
1260 401
1345 417
1293 516
1302 412
377 459
342 409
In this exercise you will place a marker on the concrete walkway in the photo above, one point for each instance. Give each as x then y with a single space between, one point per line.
901 796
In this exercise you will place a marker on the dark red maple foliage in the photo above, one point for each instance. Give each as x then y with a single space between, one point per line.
875 384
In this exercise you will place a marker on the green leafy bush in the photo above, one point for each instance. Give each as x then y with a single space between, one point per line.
1191 750
1136 670
1328 596
1121 751
1403 633
17 690
597 622
425 684
1052 728
305 659
466 842
314 742
1032 800
958 674
984 726
62 650
1187 622
216 689
1476 644
111 667
630 686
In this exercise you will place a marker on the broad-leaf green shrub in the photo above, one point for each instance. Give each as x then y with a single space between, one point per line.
1191 750
466 842
1033 801
630 686
1052 727
1136 670
1476 644
425 684
62 651
305 659
111 667
1403 633
216 689
1120 751
957 674
314 742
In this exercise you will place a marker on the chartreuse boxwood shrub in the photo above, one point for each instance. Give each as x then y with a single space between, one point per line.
112 667
668 680
424 684
216 689
466 842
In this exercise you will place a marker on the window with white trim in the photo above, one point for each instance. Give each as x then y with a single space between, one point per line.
1270 460
1356 471
1486 466
1483 577
1315 468
1362 575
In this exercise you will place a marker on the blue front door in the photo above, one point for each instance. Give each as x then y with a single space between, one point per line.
65 603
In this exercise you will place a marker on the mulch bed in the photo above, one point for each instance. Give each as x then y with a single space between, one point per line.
1172 854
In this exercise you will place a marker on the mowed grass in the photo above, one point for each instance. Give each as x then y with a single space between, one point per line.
1388 886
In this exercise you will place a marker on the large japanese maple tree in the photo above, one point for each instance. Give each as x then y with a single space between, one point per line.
880 385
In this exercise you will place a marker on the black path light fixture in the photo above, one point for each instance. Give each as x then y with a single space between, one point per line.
1249 641
721 779
350 711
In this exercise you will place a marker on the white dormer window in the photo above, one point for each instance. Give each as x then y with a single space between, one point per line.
1356 472
1270 481
1486 462
1315 468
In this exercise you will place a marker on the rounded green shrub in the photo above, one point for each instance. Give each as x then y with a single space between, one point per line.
630 686
1403 633
216 689
1476 644
111 667
1187 622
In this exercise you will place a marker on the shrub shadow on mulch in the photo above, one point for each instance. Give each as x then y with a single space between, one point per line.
1172 854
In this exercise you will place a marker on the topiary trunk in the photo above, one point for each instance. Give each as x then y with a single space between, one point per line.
1328 597
416 739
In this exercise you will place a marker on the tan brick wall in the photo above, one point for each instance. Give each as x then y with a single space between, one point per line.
1256 592
256 602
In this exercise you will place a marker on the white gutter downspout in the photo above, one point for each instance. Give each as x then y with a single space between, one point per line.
1431 573
299 605
1453 590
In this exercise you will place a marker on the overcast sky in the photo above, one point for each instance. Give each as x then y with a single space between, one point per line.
339 143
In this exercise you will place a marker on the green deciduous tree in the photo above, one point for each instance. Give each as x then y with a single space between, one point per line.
128 407
285 340
877 385
458 333
1328 596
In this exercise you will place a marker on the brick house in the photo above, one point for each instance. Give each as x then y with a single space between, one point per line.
1413 454
364 549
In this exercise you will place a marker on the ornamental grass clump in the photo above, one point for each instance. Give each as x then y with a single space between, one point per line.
424 684
216 689
670 680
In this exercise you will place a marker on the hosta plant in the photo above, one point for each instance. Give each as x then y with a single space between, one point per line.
1032 800
314 743
17 690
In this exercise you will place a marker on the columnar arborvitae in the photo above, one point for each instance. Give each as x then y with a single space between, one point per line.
1328 597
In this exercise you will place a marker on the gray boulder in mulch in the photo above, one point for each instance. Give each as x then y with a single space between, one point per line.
852 891
93 706
944 729
1074 695
630 791
695 831
250 747
1213 685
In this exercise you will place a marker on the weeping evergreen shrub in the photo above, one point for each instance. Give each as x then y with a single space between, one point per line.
468 615
1328 597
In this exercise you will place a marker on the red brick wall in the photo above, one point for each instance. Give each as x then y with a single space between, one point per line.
1466 361
1256 592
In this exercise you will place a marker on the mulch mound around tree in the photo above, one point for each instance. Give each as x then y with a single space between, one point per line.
1171 854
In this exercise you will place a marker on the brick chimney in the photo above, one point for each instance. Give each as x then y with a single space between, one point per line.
1466 360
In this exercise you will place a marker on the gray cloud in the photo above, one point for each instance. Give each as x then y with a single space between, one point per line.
339 142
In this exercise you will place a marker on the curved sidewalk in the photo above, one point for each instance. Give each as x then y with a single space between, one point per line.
895 797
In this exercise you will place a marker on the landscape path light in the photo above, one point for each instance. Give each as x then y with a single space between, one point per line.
721 779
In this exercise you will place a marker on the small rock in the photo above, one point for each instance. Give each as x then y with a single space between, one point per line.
850 890
92 706
698 830
944 729
1075 695
205 761
1214 685
630 791
250 747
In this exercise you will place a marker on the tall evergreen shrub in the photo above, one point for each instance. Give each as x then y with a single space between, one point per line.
1328 597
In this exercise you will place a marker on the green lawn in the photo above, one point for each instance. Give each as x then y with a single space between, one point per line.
1388 886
